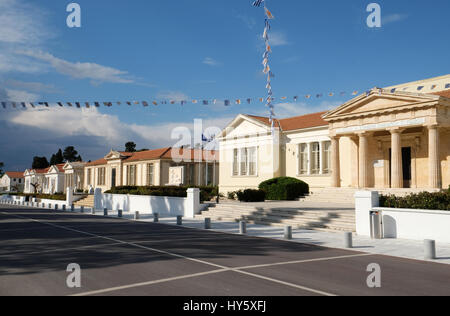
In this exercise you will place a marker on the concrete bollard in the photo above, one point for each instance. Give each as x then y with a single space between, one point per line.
207 223
242 228
120 213
82 209
72 208
137 216
64 207
348 240
156 217
105 212
288 232
93 211
49 205
179 220
56 207
430 249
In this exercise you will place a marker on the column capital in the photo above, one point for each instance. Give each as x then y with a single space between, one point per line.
433 126
396 130
364 134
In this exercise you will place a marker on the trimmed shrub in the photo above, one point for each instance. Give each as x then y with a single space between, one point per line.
251 195
284 189
56 196
425 201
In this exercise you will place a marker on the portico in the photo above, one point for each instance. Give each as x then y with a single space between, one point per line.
388 139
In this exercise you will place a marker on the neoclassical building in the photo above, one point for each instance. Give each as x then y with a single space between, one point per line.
392 138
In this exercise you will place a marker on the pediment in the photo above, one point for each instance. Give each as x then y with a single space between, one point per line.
113 155
244 125
377 102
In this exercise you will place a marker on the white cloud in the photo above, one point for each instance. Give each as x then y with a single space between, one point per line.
172 96
21 96
393 18
78 70
211 62
250 22
30 86
278 39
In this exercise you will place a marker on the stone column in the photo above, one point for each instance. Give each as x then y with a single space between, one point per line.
335 163
363 160
435 180
396 159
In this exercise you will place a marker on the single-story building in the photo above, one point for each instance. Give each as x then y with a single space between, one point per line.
54 180
396 137
159 167
12 182
74 176
35 180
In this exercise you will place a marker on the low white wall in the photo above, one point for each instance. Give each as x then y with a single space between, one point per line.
401 223
163 205
416 224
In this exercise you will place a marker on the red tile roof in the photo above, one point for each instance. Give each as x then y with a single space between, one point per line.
297 122
14 174
445 94
162 153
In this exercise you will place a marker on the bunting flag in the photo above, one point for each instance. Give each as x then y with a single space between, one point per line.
267 70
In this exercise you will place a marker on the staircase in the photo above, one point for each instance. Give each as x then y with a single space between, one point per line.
332 195
320 219
86 202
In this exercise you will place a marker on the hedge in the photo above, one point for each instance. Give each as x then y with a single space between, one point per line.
206 193
284 189
55 197
424 201
251 195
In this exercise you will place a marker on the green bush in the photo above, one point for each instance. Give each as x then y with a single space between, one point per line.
206 193
56 196
424 201
284 189
251 195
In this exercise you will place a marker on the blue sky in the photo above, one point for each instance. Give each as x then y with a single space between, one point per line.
202 49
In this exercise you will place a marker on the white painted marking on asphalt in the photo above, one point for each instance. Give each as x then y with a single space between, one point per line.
125 287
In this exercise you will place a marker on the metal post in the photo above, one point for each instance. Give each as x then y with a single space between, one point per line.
72 208
156 217
120 213
64 207
348 240
207 223
430 249
288 232
93 211
49 205
179 220
82 209
137 216
242 228
56 207
105 212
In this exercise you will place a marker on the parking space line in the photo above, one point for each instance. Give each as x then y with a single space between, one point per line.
182 257
125 287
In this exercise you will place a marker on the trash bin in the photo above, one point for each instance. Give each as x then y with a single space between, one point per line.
376 225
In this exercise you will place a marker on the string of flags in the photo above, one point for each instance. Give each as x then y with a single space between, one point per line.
227 102
267 71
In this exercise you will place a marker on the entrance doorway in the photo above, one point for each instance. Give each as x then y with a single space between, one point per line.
113 177
406 166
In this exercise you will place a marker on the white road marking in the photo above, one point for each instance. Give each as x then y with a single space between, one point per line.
125 287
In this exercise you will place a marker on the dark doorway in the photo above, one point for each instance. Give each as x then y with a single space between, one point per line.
113 177
406 165
407 174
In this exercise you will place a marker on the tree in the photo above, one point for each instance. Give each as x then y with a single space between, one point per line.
130 147
1 169
40 163
57 158
70 154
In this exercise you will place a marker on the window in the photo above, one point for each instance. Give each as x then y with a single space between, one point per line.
131 175
327 158
236 162
210 174
88 180
150 174
245 162
303 164
315 158
101 176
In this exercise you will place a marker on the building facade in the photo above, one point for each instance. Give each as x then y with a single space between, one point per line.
392 138
35 180
12 182
54 180
74 176
159 167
